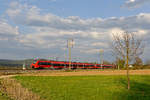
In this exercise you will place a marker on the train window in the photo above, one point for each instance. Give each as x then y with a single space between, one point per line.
34 61
44 63
91 65
67 64
80 65
58 64
74 65
54 64
61 64
64 64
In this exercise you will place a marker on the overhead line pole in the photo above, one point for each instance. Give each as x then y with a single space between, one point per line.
101 57
70 45
69 57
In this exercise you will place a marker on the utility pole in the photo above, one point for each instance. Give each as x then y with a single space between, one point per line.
101 57
70 43
56 58
65 57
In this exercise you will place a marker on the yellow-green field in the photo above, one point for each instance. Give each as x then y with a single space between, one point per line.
112 87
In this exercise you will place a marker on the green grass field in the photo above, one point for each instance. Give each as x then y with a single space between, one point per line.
88 87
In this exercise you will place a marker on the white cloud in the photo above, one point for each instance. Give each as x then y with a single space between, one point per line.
52 25
100 44
142 32
6 29
33 17
114 31
49 32
135 3
130 1
90 51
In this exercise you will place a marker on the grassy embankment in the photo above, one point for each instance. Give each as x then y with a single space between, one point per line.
3 96
88 87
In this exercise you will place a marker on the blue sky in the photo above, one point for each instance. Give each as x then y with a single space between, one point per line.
40 28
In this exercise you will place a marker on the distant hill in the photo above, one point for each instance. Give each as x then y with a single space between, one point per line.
15 63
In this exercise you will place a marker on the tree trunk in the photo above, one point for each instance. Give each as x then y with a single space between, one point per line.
128 77
127 66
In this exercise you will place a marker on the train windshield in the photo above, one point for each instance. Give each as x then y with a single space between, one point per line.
34 61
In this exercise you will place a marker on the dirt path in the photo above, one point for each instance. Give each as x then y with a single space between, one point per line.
79 73
6 76
91 72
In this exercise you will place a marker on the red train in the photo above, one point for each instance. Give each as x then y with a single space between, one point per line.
62 64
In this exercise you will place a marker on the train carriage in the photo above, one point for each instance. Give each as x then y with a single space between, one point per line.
63 64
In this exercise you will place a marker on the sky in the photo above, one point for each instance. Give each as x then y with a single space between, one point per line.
41 28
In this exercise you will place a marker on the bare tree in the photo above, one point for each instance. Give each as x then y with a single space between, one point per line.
127 46
138 61
120 63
